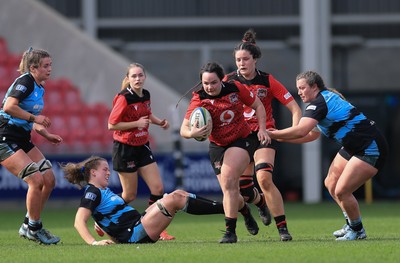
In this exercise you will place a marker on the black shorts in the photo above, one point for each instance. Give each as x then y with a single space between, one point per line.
12 139
374 154
272 145
216 153
127 158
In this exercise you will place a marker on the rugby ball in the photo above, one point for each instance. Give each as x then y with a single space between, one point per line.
203 117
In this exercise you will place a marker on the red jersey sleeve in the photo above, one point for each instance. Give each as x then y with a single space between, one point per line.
246 96
119 106
279 91
194 103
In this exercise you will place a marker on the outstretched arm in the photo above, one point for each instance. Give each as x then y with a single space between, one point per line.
81 218
303 132
294 108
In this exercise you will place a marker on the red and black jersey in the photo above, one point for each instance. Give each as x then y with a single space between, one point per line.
127 107
267 88
226 111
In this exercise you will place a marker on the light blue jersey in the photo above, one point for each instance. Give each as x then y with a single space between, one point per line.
341 121
110 212
30 96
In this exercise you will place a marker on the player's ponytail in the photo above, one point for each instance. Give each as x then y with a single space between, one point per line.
79 173
125 83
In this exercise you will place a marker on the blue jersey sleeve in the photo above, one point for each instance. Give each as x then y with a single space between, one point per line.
91 198
317 109
22 88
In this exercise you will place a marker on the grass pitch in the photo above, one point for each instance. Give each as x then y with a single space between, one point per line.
197 239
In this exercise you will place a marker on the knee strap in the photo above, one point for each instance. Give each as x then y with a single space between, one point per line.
44 165
265 167
28 170
163 210
247 187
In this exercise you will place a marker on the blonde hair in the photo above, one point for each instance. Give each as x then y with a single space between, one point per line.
79 173
32 57
125 81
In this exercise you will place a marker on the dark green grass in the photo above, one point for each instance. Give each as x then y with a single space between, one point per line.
197 239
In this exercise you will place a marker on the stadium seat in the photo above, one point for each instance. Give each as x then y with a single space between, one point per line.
3 46
3 59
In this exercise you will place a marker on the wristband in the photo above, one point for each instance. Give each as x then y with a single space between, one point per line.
94 243
31 118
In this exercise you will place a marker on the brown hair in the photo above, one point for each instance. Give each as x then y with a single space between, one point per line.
32 57
249 44
313 77
79 173
125 81
212 67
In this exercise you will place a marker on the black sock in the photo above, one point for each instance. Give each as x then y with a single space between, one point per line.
202 206
230 224
35 226
244 210
154 198
357 227
280 221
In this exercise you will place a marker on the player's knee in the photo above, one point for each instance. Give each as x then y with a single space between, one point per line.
267 167
163 209
128 196
49 181
340 194
28 171
44 165
330 187
177 199
248 194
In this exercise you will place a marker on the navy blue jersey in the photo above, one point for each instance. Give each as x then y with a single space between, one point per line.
110 212
30 97
341 121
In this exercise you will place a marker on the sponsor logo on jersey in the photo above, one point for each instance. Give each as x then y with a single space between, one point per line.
311 107
141 134
287 95
21 88
233 98
248 112
262 93
90 196
226 117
